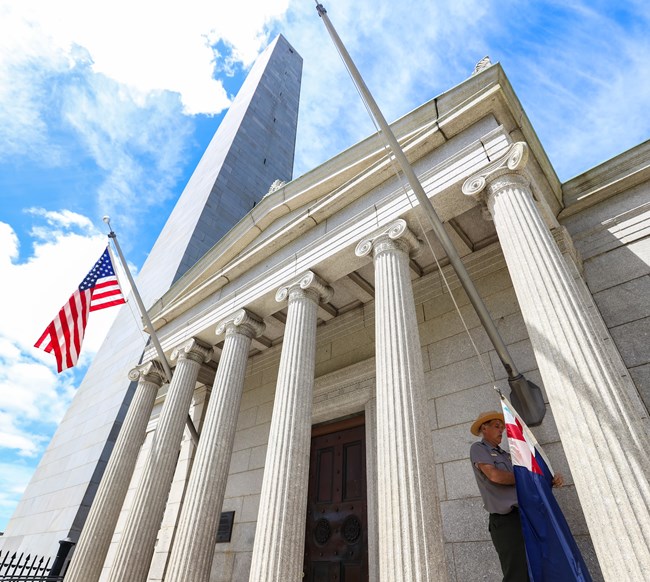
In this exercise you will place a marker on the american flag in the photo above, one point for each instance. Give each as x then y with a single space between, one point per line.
99 289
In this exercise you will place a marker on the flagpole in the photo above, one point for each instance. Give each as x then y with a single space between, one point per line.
147 320
529 395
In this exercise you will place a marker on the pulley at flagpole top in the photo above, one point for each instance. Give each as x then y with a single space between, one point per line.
528 396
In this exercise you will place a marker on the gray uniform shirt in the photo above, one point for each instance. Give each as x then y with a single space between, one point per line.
496 498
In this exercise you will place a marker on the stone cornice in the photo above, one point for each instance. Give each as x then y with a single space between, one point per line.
344 391
608 179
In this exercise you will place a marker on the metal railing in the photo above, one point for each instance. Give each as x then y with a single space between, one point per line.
21 568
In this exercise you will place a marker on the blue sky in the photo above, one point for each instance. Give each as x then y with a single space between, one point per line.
106 107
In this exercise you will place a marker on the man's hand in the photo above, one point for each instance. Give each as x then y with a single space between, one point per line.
558 480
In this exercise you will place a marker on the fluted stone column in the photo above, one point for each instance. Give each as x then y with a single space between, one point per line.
599 415
193 550
136 546
278 553
409 520
95 539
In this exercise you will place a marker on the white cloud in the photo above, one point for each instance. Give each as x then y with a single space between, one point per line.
33 397
114 78
601 127
148 45
583 79
29 392
137 141
13 478
61 219
579 68
27 61
407 54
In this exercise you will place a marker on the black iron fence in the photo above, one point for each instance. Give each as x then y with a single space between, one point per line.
27 568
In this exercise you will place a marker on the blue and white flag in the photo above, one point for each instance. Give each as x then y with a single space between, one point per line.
553 555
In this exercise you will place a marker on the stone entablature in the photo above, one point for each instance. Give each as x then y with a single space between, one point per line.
317 196
328 248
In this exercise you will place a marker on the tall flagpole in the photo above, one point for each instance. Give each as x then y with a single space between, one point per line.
528 396
147 320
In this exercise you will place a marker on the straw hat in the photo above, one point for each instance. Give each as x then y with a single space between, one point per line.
485 417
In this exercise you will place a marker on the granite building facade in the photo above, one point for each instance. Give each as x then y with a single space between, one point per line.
319 350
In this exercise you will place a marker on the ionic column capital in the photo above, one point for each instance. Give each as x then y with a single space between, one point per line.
243 322
309 284
396 236
151 371
508 170
195 350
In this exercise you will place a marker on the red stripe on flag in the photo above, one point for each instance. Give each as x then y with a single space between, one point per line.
66 336
521 449
45 341
74 314
56 346
111 293
80 323
106 293
106 282
107 304
66 332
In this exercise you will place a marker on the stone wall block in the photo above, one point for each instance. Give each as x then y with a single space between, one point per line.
476 561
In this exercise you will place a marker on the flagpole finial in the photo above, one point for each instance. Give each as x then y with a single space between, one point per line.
107 220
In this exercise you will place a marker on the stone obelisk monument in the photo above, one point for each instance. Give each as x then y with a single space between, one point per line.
253 147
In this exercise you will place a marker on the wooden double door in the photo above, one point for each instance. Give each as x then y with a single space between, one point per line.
336 540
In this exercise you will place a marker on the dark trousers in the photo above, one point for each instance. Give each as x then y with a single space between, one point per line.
508 540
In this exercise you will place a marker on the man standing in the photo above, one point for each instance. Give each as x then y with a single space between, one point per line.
496 482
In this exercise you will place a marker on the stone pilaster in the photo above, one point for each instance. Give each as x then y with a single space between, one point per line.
371 485
95 539
598 412
278 552
409 520
193 550
136 546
